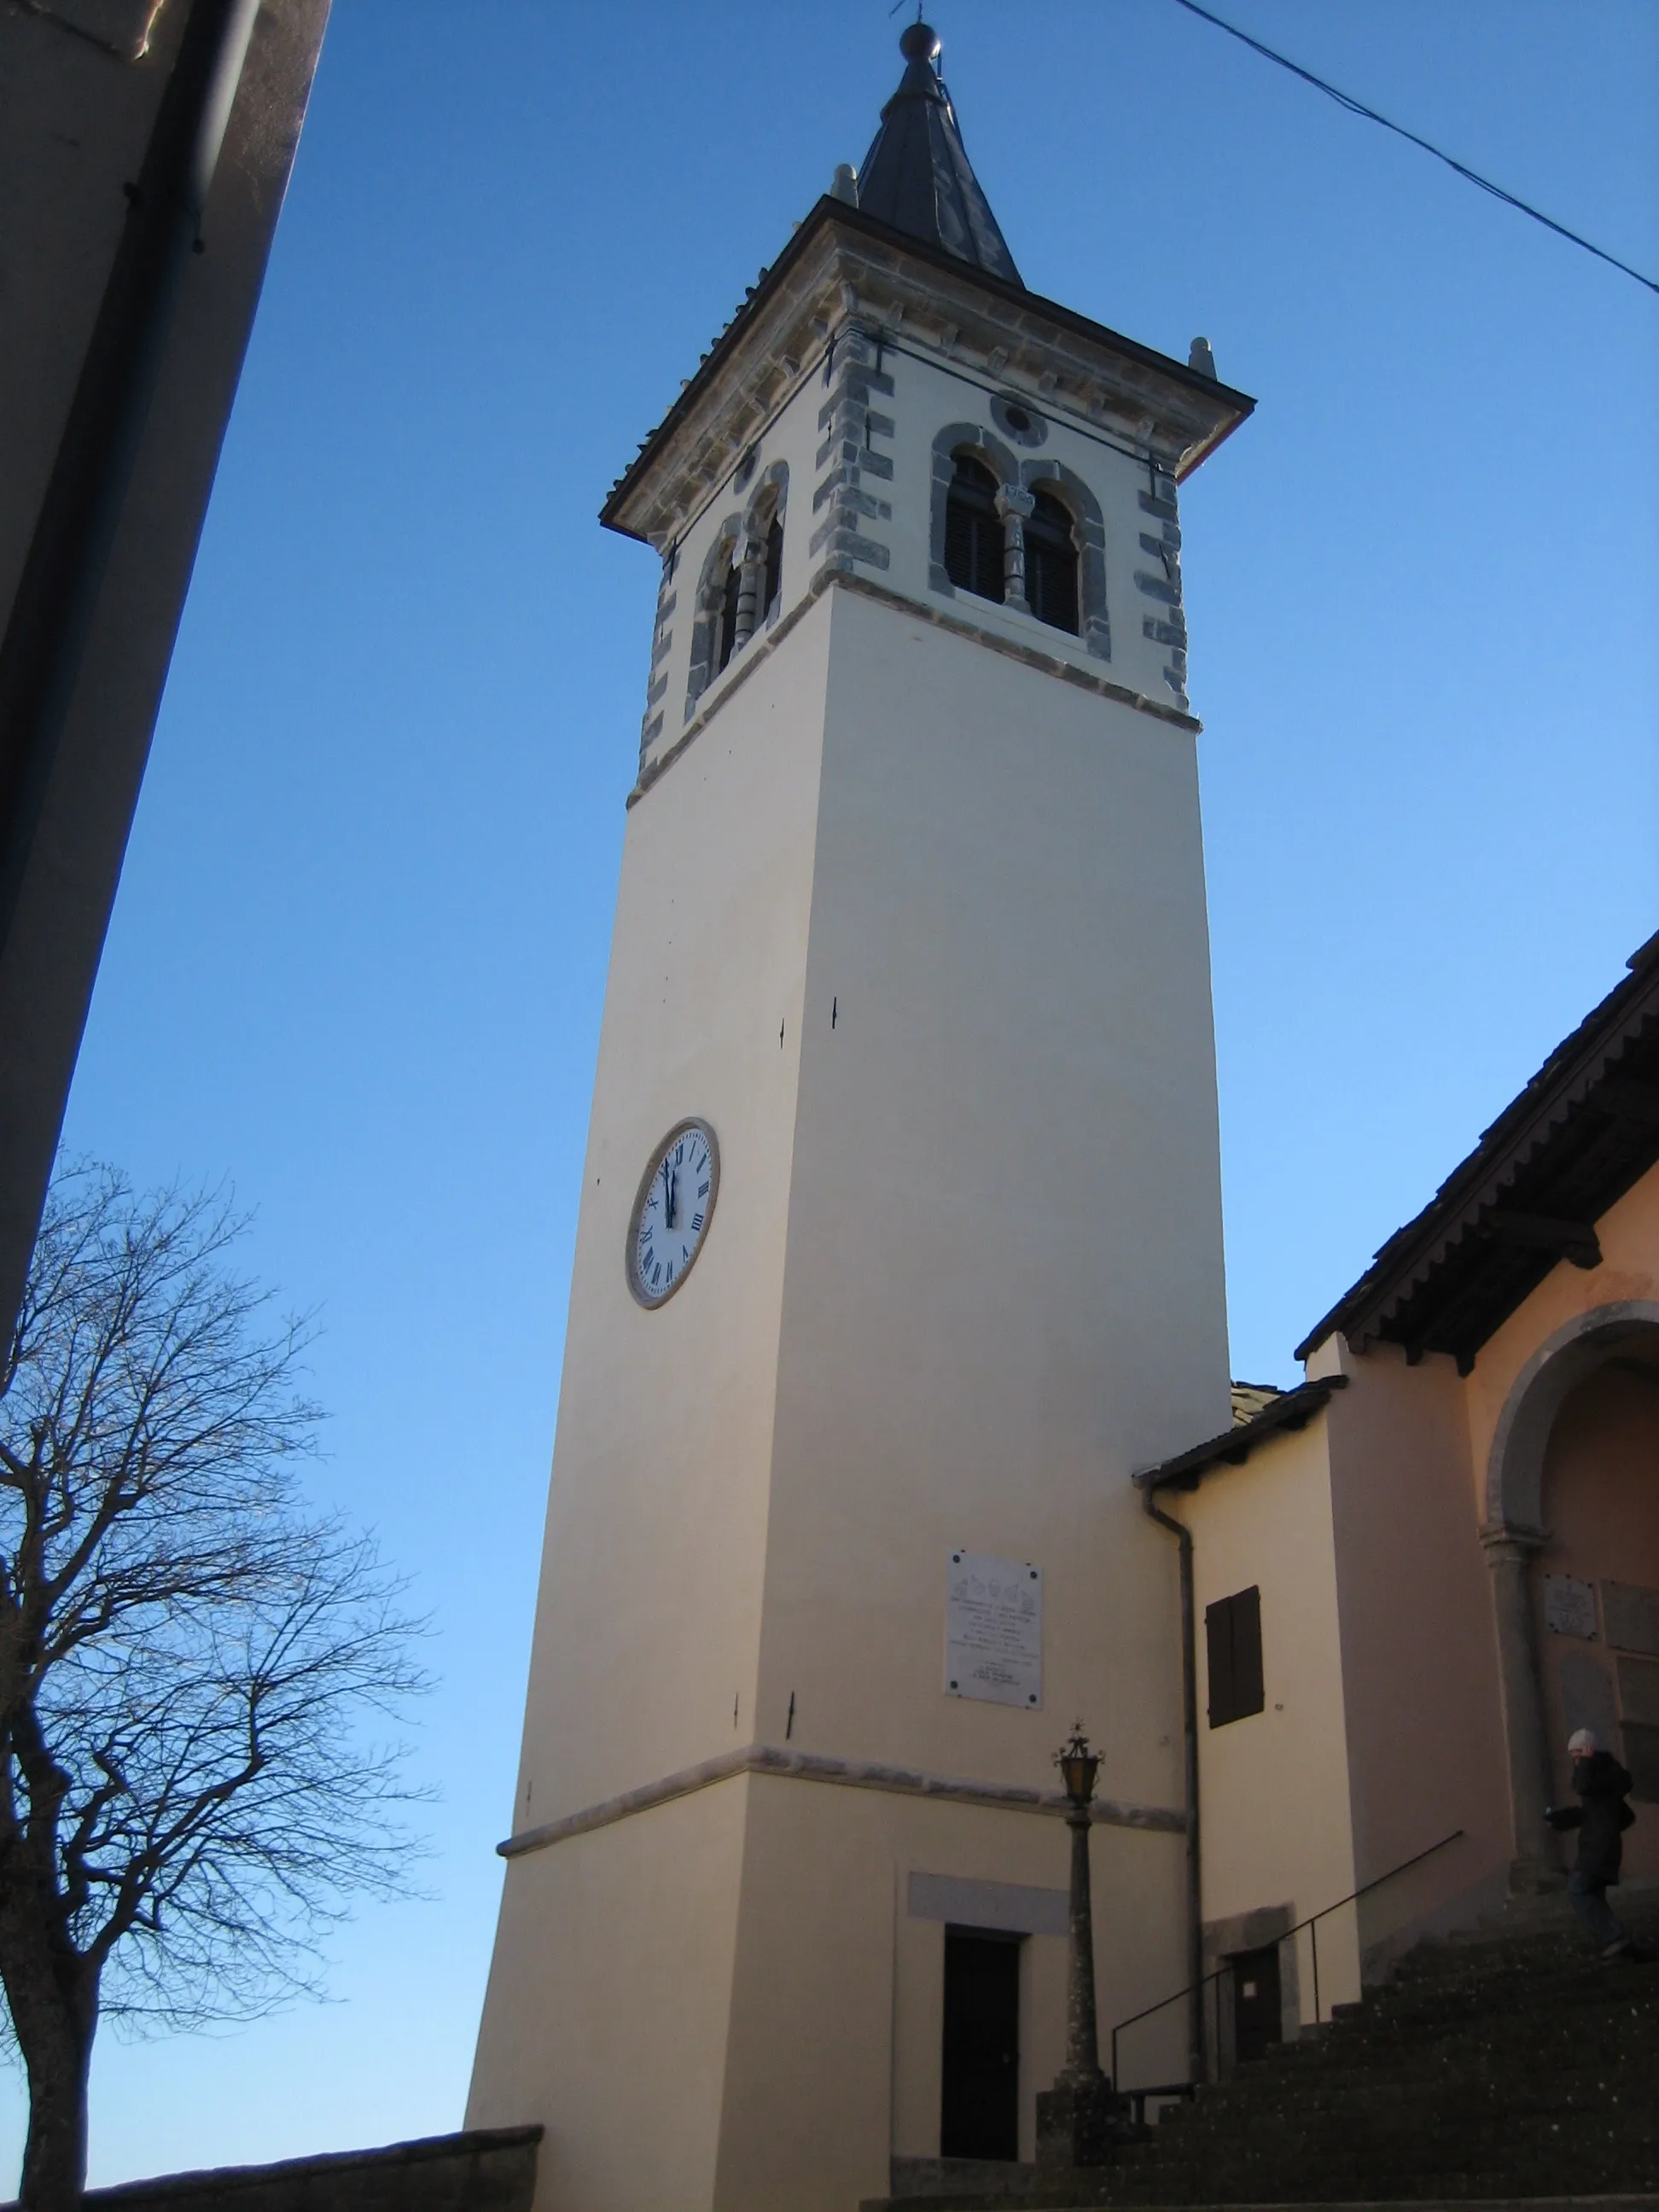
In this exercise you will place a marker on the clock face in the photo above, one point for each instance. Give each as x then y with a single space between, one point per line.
672 1211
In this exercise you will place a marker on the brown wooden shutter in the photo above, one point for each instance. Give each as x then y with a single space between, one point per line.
1232 1636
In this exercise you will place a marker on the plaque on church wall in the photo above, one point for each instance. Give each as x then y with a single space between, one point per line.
1587 1697
1569 1607
1642 1757
993 1630
1632 1617
1638 1690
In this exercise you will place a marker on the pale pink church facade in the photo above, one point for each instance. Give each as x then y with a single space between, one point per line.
1452 1530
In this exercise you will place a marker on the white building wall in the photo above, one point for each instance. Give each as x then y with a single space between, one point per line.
1004 1287
647 1617
930 393
912 912
790 442
1275 1786
915 395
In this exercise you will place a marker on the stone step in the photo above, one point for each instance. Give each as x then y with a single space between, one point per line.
1607 2030
1513 2069
1236 2184
1614 2139
1230 2187
1624 2120
1453 2197
1453 2191
1221 2178
1451 2064
1607 2132
1454 2067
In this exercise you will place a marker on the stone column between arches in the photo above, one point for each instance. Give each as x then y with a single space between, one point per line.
1510 1555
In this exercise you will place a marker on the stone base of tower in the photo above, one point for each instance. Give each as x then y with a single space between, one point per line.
1079 2124
735 2001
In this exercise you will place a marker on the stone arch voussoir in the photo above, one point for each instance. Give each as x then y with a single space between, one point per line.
705 626
1514 1464
953 439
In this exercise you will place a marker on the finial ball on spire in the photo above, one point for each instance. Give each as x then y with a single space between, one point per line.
919 42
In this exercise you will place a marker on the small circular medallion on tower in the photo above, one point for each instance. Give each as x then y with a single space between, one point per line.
1017 419
671 1212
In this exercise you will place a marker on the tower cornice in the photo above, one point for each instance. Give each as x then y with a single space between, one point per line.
844 266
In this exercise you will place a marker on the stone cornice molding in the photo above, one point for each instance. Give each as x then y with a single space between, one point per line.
843 268
842 1773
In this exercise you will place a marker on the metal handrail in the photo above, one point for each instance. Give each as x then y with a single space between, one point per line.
1312 1921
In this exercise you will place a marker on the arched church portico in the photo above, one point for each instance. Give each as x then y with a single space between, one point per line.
1519 1546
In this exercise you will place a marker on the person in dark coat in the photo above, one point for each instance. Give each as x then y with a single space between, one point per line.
1602 1817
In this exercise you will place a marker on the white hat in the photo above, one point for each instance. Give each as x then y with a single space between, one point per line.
1581 1741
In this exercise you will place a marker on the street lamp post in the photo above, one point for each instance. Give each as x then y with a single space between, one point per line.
1080 2119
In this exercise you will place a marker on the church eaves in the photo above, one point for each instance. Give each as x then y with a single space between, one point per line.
1584 1131
917 177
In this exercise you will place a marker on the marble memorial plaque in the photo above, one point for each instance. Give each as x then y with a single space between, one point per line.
1639 1691
1569 1608
1642 1757
1587 1697
993 1630
1632 1617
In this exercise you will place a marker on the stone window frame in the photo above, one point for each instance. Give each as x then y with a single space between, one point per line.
768 503
1020 480
708 605
740 542
1088 536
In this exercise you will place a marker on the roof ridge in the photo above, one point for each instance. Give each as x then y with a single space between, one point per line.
1544 1107
1289 1409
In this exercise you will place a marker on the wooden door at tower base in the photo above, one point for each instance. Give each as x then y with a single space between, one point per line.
1257 2018
979 2115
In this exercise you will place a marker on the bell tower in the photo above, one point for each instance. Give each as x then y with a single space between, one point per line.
899 1245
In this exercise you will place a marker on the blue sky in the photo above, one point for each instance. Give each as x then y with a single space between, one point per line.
357 960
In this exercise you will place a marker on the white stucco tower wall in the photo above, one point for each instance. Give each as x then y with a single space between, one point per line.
912 916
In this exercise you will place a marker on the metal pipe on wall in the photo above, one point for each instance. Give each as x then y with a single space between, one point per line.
1183 1535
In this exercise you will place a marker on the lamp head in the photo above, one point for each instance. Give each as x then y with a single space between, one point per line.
1078 1765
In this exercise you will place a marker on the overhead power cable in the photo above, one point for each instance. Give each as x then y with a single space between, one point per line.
1358 107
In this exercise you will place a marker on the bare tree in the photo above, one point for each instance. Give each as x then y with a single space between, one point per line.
190 1666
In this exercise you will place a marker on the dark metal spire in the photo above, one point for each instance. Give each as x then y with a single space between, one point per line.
917 175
